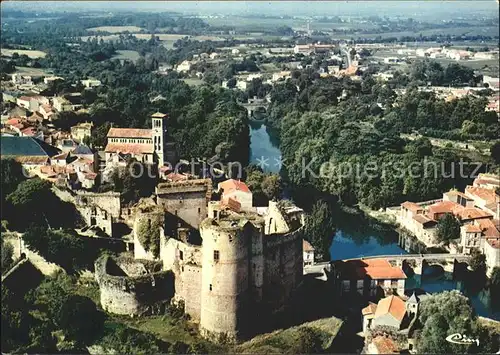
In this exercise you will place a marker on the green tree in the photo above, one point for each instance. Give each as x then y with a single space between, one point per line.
448 228
494 283
307 341
495 152
62 247
319 229
80 320
271 186
477 278
447 313
7 252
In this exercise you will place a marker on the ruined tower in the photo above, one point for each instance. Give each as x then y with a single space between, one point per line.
226 276
159 127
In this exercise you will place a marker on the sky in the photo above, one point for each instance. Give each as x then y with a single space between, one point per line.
291 8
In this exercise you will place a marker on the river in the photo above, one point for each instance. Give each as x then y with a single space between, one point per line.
355 236
264 148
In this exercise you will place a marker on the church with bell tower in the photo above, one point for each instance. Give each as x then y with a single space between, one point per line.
159 127
145 145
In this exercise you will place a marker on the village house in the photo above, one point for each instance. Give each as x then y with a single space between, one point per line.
389 312
308 253
382 345
46 111
19 79
81 130
238 191
369 277
32 103
48 79
62 104
90 83
185 66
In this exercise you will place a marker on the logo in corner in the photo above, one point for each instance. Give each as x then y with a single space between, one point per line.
458 338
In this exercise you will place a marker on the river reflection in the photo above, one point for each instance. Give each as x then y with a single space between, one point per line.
264 147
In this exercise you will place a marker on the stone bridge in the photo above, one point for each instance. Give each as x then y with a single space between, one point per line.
255 104
410 263
444 256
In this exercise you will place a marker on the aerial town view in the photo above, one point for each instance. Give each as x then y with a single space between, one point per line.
250 177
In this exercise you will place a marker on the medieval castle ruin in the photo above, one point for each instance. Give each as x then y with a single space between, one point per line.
226 261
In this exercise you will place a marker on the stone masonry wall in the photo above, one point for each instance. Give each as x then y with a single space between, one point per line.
139 294
110 201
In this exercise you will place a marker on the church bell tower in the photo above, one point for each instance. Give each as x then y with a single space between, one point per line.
159 123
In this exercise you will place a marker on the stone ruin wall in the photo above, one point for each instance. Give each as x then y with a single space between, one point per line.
187 272
187 199
109 201
146 289
283 268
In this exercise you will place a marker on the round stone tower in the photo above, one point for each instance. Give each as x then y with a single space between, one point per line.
225 277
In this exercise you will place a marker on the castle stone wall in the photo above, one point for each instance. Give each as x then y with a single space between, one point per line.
186 199
131 287
283 262
109 201
225 282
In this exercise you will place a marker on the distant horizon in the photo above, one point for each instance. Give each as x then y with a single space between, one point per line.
415 9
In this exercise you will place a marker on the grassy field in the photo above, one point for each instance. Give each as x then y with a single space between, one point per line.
32 54
115 29
286 340
167 40
32 71
127 55
193 82
168 330
266 24
488 31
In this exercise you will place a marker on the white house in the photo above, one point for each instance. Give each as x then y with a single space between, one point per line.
185 66
308 253
237 190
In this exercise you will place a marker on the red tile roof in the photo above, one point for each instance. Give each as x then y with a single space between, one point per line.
129 148
29 131
473 228
385 345
470 213
494 243
375 269
62 156
13 121
176 177
484 194
231 184
490 228
412 206
370 309
232 204
306 246
130 133
457 193
420 218
32 159
392 305
443 207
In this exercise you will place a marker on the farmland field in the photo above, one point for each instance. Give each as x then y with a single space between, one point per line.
32 71
32 54
115 29
472 31
167 40
266 24
193 81
127 55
